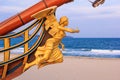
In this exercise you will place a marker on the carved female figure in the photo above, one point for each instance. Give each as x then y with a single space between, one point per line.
50 52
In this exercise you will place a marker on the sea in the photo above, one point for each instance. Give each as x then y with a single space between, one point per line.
83 47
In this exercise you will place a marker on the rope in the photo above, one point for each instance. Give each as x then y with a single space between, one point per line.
21 32
24 42
31 50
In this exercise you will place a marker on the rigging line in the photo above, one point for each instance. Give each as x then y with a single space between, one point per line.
18 33
22 43
38 42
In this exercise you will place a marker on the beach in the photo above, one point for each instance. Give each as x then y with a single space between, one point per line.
11 56
76 68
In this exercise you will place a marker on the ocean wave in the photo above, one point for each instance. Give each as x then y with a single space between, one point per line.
93 53
106 51
82 52
17 51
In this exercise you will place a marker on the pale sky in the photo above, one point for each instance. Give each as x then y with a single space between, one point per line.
102 21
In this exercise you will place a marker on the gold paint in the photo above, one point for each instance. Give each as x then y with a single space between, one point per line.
26 46
50 53
6 56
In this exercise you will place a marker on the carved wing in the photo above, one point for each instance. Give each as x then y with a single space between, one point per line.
44 13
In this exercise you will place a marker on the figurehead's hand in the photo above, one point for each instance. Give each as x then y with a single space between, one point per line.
77 30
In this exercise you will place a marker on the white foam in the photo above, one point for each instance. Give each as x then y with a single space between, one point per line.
17 51
106 51
80 52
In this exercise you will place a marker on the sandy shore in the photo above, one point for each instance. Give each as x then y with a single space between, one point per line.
11 56
76 68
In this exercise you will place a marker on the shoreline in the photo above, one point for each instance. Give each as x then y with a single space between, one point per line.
81 57
11 56
77 57
76 68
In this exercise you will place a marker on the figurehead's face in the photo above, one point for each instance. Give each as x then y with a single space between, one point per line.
64 21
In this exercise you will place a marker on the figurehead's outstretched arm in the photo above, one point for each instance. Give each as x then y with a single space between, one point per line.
68 29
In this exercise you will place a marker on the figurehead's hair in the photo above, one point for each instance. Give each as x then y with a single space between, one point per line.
63 19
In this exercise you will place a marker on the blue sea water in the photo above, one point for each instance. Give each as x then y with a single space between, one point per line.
85 47
92 47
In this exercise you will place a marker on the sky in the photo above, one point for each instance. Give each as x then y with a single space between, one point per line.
100 22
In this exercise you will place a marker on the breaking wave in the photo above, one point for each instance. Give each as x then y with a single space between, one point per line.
82 52
92 53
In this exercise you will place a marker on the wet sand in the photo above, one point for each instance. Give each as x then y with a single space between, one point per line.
76 68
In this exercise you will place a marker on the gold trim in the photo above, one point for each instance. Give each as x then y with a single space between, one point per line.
26 37
50 53
6 56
